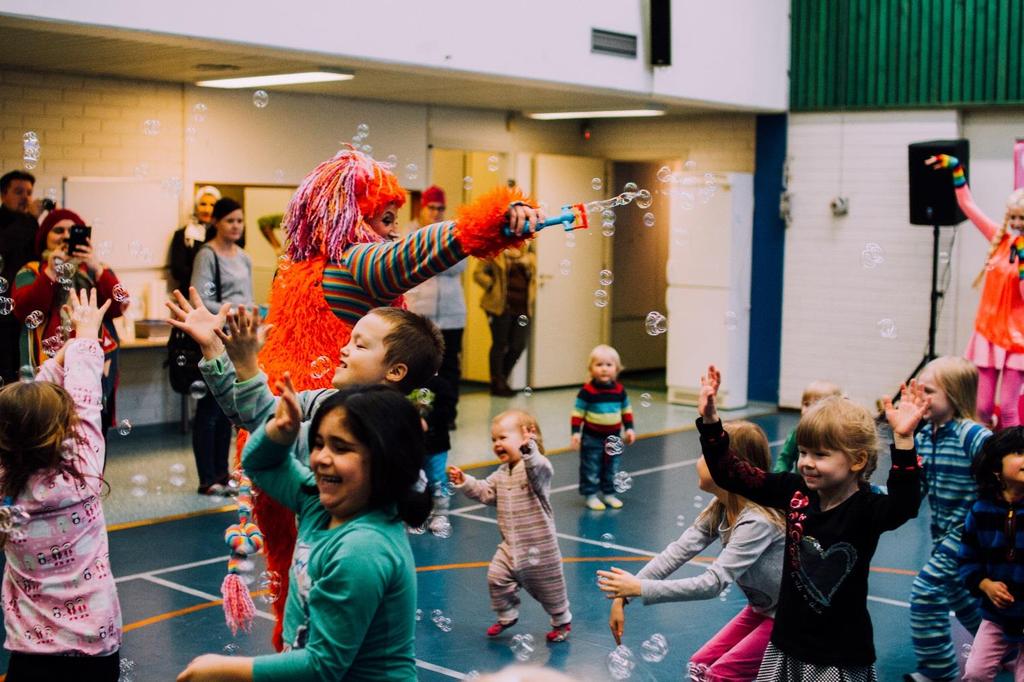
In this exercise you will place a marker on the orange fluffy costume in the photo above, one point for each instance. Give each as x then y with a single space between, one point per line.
337 269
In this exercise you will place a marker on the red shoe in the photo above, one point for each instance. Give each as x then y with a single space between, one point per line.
560 633
499 628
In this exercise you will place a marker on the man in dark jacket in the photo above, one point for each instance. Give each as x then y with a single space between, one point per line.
18 226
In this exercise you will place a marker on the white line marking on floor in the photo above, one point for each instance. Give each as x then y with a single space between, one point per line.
170 569
891 602
432 667
575 538
776 443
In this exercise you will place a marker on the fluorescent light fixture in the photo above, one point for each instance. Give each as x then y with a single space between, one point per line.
277 79
619 113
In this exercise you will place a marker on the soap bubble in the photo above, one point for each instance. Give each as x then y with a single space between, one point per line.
731 321
126 670
415 530
441 527
180 360
171 185
52 345
320 367
965 650
34 319
444 624
7 305
681 521
151 126
208 289
419 615
522 646
686 201
629 187
124 427
655 648
622 482
260 99
570 240
565 267
613 446
644 199
608 229
270 584
141 170
467 183
608 215
872 256
527 391
621 663
139 479
367 149
199 110
3 285
664 174
600 298
198 389
649 219
177 481
655 323
605 277
887 328
391 161
493 163
943 257
607 539
597 184
177 468
412 171
690 165
363 129
119 293
30 136
645 400
65 283
26 373
230 649
533 556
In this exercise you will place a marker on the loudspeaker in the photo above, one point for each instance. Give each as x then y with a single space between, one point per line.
661 33
932 200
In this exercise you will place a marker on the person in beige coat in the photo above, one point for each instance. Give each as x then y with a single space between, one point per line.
510 288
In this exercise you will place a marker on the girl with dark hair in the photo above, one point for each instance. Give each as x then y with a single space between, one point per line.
991 566
351 610
61 611
222 274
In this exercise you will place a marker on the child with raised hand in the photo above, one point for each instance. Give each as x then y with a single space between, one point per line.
61 610
815 391
990 565
528 555
948 444
354 580
833 521
752 548
601 412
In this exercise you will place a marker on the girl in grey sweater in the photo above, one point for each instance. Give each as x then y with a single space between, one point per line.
752 549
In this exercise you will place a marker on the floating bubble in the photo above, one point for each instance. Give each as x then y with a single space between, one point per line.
527 391
367 149
649 219
629 187
412 171
141 170
270 585
655 323
65 283
621 663
138 492
119 293
622 481
260 99
570 240
644 199
605 277
278 174
444 624
139 479
177 468
199 110
493 163
965 651
34 319
197 390
124 427
415 530
3 285
887 328
943 257
30 136
126 668
391 161
171 185
607 539
190 134
419 615
467 183
664 174
177 481
52 345
151 126
690 165
363 129
731 321
681 521
320 367
180 360
645 399
655 648
208 289
441 527
6 305
597 184
533 556
872 256
26 373
230 649
600 298
565 267
613 446
608 229
522 646
608 215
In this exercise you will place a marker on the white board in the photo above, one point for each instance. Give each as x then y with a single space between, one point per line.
137 216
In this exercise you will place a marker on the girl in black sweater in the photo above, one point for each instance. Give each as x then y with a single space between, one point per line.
833 522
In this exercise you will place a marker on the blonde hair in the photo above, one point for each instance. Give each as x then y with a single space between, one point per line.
816 390
958 379
835 423
750 444
1014 201
525 420
607 350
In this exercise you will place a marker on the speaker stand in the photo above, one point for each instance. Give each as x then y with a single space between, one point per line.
933 313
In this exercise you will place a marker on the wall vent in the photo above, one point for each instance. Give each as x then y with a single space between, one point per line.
615 44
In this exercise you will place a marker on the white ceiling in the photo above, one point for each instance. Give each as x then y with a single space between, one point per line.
99 51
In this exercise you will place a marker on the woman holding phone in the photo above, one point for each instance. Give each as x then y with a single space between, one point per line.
64 260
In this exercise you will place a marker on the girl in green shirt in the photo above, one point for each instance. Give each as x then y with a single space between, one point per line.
353 567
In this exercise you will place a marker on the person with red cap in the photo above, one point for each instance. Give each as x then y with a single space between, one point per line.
41 290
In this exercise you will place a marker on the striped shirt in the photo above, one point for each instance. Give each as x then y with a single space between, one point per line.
602 409
375 274
946 457
993 547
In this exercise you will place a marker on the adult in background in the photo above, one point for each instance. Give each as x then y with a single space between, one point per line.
18 225
510 287
221 273
41 291
187 240
442 299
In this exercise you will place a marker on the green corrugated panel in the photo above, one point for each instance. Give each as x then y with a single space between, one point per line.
877 54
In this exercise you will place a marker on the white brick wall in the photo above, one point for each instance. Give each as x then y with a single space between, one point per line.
831 303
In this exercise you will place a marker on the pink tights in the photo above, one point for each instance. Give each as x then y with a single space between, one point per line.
1009 395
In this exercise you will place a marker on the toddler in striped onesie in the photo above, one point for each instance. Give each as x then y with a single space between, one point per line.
528 555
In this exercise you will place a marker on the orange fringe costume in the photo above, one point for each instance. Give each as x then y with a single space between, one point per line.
325 218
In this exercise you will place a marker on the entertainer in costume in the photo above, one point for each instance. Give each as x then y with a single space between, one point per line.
341 262
997 345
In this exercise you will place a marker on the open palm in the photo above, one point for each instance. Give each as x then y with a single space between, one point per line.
192 317
904 417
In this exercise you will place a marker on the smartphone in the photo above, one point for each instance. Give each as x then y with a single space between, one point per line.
78 236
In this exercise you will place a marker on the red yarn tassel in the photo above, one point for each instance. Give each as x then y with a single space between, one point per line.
239 610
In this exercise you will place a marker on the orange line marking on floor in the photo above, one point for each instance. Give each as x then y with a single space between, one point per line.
170 614
173 517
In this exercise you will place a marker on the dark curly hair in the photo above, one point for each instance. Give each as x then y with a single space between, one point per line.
988 467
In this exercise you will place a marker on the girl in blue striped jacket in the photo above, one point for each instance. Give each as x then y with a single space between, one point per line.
948 444
992 555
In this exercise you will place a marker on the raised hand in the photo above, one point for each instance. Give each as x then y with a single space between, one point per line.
86 316
523 218
617 620
618 583
709 384
456 476
904 417
283 427
243 340
192 317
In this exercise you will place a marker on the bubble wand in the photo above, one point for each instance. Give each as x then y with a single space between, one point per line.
574 216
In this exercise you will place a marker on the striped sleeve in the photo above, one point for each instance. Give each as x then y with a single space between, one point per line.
579 410
386 270
627 411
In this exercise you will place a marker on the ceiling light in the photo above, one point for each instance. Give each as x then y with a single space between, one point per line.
618 113
277 79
